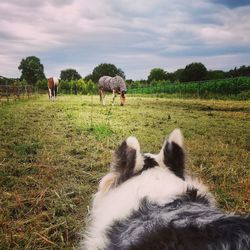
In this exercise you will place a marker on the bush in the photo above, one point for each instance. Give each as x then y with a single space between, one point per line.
78 87
42 84
64 87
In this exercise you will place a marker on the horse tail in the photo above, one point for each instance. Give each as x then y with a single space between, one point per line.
55 89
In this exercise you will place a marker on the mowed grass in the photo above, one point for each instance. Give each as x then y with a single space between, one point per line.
53 155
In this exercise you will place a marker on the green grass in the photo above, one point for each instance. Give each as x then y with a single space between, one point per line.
53 155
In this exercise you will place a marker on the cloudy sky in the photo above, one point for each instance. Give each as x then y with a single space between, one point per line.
135 35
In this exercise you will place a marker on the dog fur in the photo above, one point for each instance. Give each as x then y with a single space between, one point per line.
148 201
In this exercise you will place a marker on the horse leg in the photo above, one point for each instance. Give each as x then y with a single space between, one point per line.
53 93
102 96
49 92
122 99
114 96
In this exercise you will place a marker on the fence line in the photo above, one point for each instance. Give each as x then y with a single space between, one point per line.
9 91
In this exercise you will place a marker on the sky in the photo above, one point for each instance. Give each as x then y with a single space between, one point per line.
134 35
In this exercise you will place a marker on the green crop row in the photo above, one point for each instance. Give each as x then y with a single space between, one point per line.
227 87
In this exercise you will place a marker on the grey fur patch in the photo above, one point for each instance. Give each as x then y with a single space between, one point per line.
182 224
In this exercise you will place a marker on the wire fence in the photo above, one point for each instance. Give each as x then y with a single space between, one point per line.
8 92
238 88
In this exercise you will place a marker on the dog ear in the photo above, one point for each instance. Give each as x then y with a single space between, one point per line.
127 159
173 153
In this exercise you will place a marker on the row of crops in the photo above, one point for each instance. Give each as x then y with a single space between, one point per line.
234 87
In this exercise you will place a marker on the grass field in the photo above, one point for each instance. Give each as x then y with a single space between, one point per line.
53 155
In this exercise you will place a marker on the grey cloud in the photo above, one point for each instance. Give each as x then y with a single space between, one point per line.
137 35
38 3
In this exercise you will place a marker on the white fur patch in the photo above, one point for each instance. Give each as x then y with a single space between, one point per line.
176 137
132 142
55 80
49 92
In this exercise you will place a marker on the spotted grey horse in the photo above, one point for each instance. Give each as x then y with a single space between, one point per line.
115 84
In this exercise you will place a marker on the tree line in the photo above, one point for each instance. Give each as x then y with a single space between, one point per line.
32 72
196 71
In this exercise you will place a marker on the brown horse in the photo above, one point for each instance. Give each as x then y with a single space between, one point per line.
115 85
52 88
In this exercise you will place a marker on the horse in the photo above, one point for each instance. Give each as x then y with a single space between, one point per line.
115 85
52 88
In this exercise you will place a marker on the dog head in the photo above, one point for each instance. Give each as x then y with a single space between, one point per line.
163 173
130 163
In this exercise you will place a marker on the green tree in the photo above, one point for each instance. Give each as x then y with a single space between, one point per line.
31 70
215 74
106 69
244 71
236 72
88 77
178 75
194 72
170 77
69 74
157 74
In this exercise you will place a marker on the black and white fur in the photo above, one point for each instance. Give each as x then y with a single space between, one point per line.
148 201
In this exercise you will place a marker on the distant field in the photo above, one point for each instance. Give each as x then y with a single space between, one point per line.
53 155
